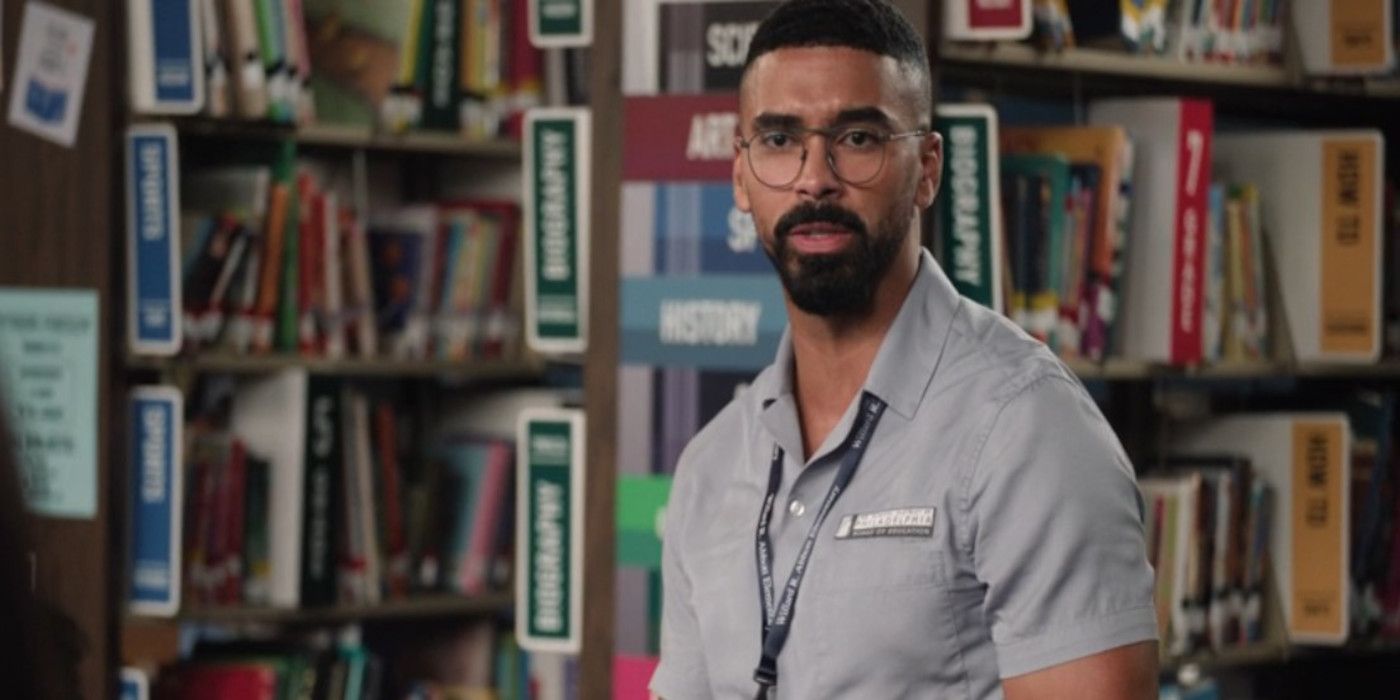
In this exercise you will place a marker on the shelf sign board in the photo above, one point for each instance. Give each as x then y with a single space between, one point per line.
556 24
549 546
969 208
557 147
134 685
48 378
153 240
986 20
155 421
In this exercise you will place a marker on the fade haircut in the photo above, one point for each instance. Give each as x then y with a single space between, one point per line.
867 25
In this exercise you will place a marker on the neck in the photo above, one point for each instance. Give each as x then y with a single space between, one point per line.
832 357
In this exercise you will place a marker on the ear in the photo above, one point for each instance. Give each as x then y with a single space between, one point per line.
931 169
741 192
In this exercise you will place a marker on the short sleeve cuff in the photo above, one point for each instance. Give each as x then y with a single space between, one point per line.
1061 644
669 684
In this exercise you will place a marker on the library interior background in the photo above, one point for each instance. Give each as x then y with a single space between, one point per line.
347 347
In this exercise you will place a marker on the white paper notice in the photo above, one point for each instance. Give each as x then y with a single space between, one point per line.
46 95
48 374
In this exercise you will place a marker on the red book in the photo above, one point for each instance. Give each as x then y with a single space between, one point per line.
395 544
486 520
308 262
218 682
231 582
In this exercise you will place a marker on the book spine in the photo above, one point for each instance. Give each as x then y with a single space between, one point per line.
231 586
441 106
322 497
1318 610
167 56
1192 209
309 264
216 78
391 505
155 312
1351 199
157 492
288 308
333 322
487 519
270 272
247 63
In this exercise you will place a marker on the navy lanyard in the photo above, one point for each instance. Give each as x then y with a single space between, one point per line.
777 621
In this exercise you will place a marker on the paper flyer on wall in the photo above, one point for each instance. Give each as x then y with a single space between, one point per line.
48 372
51 72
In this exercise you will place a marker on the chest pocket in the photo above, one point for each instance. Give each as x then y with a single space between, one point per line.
879 563
886 617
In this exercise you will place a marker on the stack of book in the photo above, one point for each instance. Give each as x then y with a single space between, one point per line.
475 660
1207 538
457 65
275 261
306 491
1145 235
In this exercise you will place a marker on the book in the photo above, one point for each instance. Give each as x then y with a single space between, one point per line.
269 415
1305 459
166 56
1098 156
157 498
1322 212
1052 220
153 193
1164 275
322 492
1345 37
245 59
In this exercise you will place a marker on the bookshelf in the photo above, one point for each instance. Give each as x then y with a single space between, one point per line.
350 137
523 369
417 465
420 607
1015 56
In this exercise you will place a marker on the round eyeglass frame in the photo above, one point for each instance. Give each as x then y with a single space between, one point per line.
830 134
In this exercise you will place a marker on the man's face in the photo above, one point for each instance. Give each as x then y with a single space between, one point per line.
832 241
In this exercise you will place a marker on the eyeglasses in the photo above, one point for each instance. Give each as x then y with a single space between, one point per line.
856 154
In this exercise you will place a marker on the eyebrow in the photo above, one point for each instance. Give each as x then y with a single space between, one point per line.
855 115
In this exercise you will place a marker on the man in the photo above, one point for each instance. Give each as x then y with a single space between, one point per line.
915 499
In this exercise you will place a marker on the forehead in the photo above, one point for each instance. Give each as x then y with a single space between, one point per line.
816 83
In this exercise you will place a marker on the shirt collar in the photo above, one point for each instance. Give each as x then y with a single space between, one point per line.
908 356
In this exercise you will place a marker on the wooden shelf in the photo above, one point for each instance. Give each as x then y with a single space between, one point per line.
1106 62
347 137
516 369
1131 370
426 606
1003 56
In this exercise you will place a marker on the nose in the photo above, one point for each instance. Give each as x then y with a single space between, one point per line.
817 180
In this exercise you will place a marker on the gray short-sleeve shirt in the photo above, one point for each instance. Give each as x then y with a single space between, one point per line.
1021 538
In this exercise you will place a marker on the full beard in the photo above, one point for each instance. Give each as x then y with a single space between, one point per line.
842 284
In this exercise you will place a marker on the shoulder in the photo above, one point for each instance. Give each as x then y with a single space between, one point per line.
989 362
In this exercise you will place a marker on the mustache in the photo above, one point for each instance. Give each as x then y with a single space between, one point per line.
808 213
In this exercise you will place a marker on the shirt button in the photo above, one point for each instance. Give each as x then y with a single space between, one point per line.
796 508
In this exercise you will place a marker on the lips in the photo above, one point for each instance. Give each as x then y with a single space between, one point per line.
819 237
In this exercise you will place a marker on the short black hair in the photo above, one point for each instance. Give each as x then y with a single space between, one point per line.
869 25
